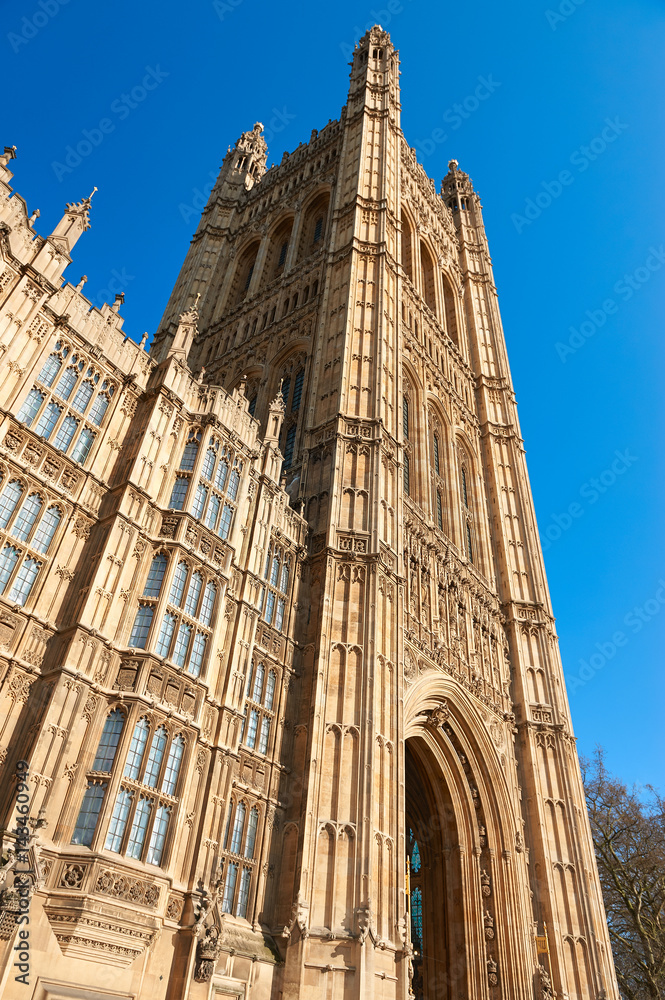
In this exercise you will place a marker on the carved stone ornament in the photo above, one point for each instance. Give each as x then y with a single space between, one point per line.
207 952
439 715
545 984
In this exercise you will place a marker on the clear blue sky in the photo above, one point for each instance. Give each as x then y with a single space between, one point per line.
557 78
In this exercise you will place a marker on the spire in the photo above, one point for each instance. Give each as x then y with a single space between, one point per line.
186 332
74 222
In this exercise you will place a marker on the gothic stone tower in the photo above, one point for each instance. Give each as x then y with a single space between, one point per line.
277 659
430 723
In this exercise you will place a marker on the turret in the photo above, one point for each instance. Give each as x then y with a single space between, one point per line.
244 165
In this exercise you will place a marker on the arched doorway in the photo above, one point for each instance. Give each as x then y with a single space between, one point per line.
434 876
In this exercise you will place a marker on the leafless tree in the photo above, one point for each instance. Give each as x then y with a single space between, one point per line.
628 828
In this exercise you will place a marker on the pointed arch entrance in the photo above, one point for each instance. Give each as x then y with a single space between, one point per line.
434 879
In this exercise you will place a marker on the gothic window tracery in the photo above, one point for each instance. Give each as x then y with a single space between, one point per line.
67 412
186 607
244 273
427 277
29 528
407 434
436 456
407 247
214 500
450 310
146 786
314 225
273 594
467 506
277 252
259 710
239 856
292 383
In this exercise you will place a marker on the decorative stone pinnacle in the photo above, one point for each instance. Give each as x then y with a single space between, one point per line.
9 154
278 402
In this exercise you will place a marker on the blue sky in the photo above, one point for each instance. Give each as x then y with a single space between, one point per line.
567 154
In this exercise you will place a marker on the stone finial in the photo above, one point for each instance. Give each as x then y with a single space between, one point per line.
84 278
186 332
74 222
9 154
33 218
275 417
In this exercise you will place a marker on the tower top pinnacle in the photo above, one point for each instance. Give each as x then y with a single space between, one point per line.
456 182
376 35
250 153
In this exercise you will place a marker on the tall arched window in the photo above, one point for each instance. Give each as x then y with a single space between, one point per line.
153 584
244 273
467 509
191 451
407 247
313 230
108 743
46 530
277 251
238 825
9 501
26 517
439 510
406 431
450 310
427 277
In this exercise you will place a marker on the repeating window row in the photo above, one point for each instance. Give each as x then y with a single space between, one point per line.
258 714
213 500
239 840
29 523
271 602
47 409
185 624
144 801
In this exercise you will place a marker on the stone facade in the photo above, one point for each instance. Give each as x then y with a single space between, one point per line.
276 644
